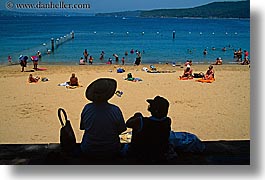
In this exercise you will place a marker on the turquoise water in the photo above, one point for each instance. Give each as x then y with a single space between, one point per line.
152 36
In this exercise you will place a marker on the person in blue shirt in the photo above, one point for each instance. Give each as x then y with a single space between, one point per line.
101 121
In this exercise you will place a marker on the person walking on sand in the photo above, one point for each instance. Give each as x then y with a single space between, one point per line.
101 121
150 135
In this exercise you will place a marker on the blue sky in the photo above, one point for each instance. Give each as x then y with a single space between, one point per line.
119 5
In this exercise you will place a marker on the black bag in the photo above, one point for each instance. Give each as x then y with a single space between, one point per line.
198 75
67 135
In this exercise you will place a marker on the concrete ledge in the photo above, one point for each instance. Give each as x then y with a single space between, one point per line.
215 153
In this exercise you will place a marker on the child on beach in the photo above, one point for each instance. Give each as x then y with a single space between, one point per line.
150 135
81 61
91 60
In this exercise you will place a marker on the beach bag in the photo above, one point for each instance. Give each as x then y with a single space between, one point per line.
198 75
186 142
120 70
67 135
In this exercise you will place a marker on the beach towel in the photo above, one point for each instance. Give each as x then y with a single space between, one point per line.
163 71
67 85
41 69
185 78
206 80
133 79
73 87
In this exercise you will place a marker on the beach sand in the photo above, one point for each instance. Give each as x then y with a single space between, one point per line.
213 111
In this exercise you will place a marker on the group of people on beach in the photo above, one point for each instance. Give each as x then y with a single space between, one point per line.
103 123
238 56
23 60
188 72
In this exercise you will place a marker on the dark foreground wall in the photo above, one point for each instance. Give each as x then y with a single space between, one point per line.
215 153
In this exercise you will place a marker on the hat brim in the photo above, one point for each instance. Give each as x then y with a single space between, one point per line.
110 86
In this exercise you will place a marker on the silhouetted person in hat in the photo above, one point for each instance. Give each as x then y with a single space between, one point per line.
150 134
102 122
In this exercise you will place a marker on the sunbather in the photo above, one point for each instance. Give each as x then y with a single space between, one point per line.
33 79
187 72
73 80
209 73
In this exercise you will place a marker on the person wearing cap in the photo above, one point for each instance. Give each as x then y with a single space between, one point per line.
101 121
187 72
150 134
209 75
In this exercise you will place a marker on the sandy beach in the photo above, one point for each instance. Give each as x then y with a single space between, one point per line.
213 111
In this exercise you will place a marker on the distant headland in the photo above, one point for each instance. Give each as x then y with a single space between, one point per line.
233 9
228 9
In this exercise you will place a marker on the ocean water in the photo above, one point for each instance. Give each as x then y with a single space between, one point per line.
152 36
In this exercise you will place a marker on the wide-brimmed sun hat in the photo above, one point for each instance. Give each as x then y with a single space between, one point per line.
159 105
101 90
